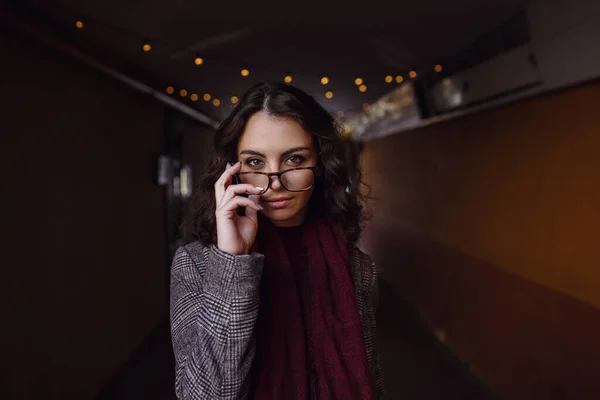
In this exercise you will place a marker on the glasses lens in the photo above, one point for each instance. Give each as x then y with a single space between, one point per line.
298 179
257 180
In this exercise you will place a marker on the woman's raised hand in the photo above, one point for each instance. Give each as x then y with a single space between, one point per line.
235 233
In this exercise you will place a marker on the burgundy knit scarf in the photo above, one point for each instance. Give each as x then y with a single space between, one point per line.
311 349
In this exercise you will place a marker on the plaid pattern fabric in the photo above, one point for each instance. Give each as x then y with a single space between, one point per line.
214 307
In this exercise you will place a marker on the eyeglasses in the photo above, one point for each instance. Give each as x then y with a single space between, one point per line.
293 180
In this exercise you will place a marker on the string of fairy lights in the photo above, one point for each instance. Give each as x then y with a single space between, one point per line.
360 83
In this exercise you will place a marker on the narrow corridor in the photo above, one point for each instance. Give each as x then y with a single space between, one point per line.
416 365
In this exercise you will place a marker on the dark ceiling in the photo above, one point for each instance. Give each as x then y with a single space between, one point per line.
307 40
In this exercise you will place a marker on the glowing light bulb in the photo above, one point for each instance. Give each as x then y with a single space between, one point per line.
358 81
288 79
170 89
183 92
399 79
389 79
194 97
198 61
362 88
146 47
324 80
216 102
329 94
234 99
438 68
79 24
245 72
412 74
206 97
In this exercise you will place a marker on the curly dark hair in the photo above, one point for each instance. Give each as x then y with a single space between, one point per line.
337 193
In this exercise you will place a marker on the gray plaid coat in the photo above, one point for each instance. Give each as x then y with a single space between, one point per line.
214 306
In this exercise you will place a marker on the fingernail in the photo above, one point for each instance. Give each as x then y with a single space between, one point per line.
239 162
259 206
259 188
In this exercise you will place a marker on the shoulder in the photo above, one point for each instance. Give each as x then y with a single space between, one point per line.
363 266
362 259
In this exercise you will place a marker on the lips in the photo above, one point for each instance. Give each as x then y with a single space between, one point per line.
278 202
276 199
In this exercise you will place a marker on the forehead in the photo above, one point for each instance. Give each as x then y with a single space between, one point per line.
273 135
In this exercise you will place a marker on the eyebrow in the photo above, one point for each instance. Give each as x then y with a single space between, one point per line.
285 153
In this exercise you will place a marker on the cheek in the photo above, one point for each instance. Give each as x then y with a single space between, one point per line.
304 197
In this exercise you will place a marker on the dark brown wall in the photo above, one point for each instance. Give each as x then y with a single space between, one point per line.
490 225
197 148
84 269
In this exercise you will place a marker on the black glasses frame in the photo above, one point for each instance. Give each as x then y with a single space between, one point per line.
278 175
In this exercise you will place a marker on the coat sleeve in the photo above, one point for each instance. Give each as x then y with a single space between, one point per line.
214 306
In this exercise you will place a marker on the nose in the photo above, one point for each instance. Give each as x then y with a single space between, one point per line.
275 183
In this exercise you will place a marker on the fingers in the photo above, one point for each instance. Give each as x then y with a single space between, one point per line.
234 190
225 179
238 201
251 212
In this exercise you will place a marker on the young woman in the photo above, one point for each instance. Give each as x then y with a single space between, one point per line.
273 300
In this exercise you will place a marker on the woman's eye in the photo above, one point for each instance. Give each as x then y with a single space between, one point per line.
295 160
254 163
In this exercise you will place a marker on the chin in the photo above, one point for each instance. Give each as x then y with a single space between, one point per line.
281 215
284 216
